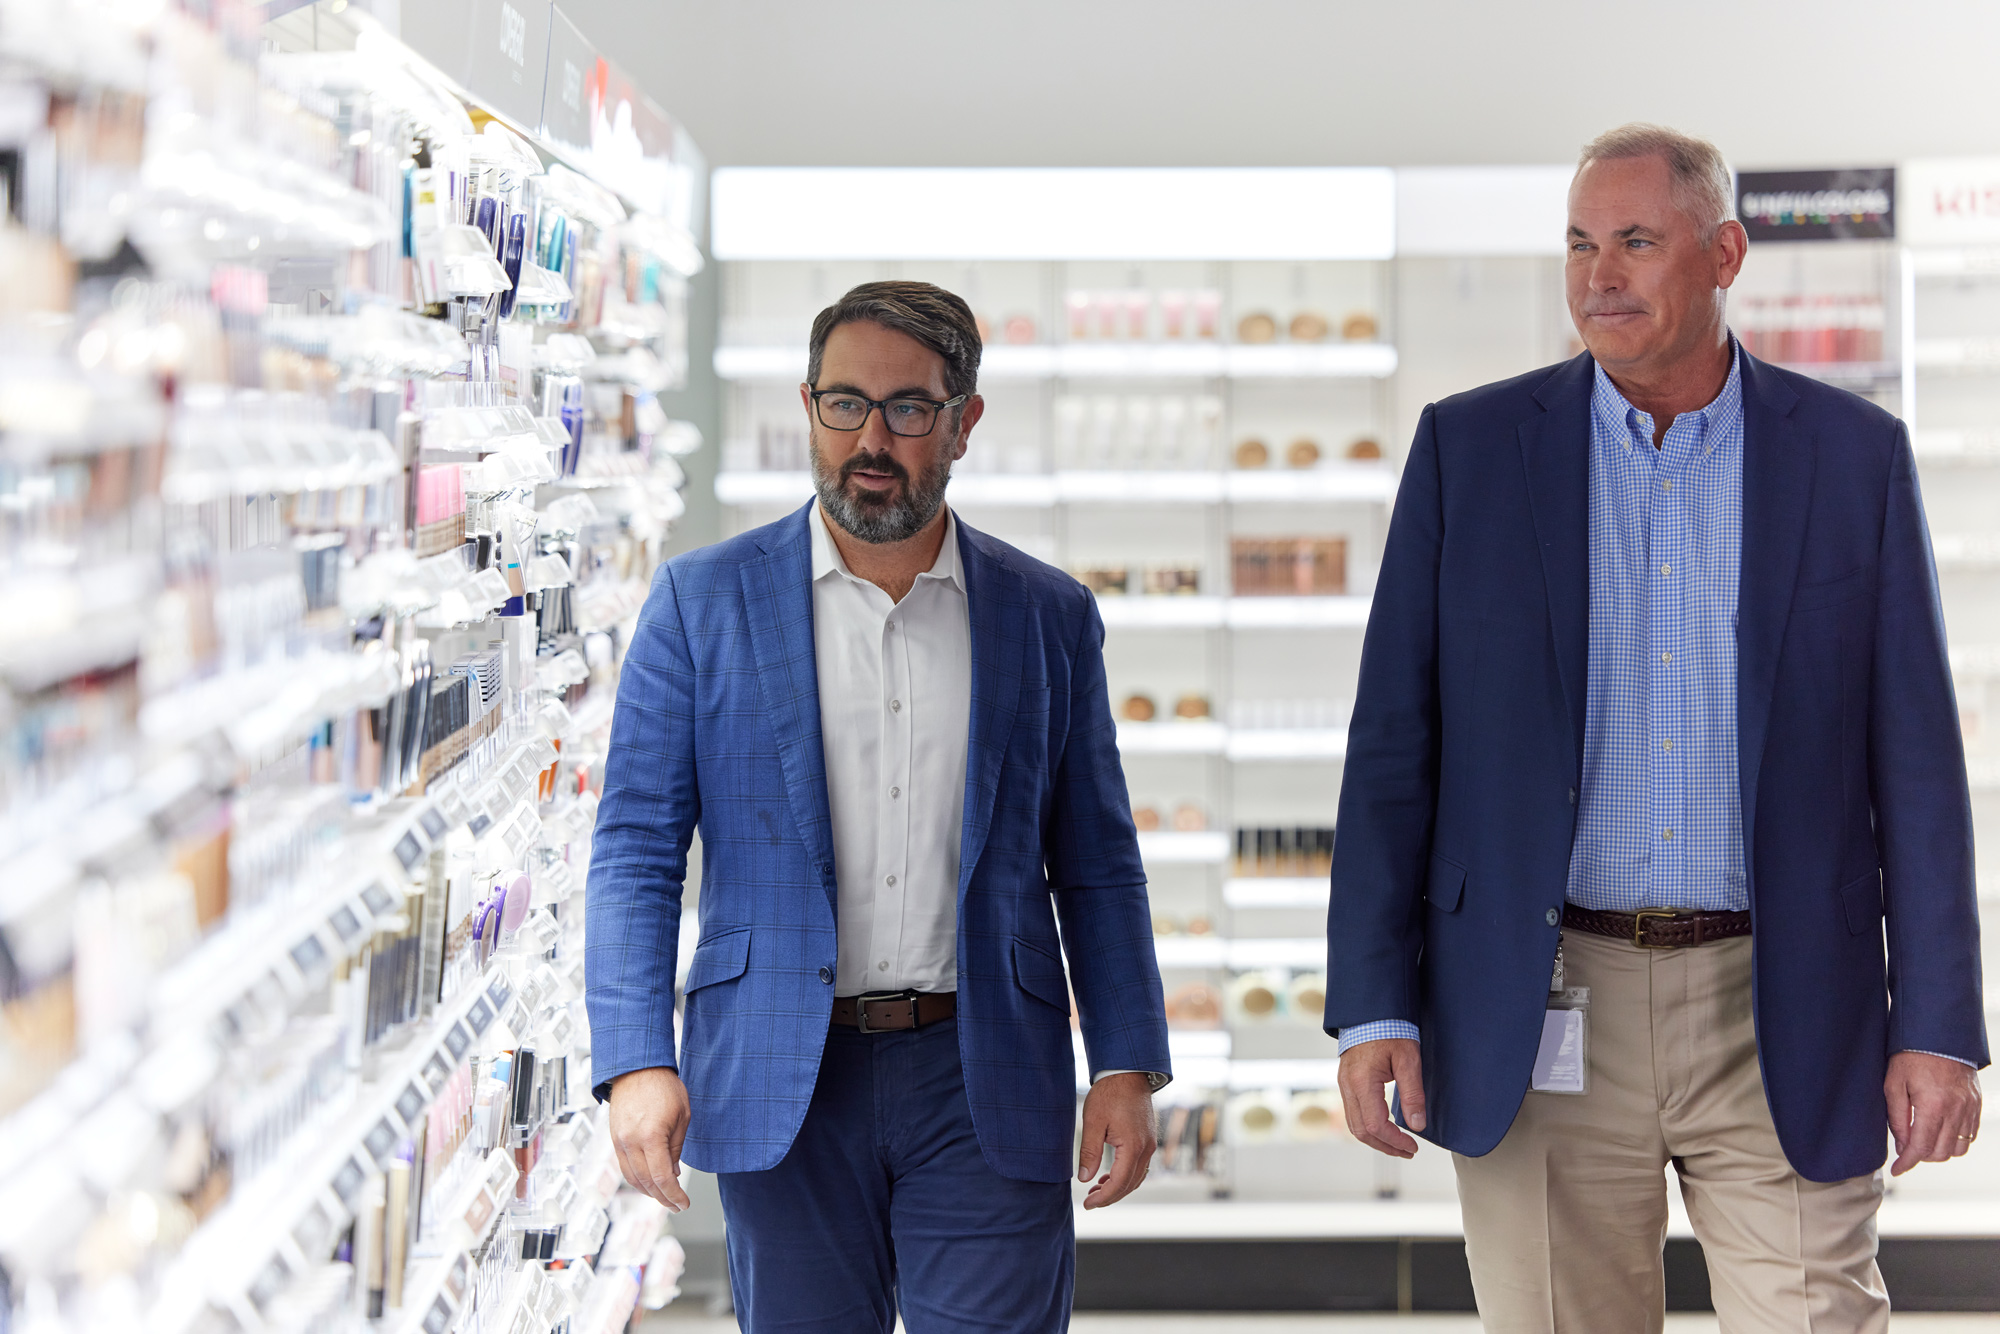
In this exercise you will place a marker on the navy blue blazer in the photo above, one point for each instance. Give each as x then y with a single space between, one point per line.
1457 809
718 727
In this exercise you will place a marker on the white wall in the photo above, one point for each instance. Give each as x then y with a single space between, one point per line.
1117 82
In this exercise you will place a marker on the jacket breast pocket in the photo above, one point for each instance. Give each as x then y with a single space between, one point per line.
721 957
1861 902
1446 886
1041 975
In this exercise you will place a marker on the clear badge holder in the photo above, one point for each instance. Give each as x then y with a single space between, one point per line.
1562 1063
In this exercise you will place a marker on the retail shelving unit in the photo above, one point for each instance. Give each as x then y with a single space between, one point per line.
333 475
1949 271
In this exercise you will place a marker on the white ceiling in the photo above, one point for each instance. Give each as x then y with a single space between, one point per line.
1282 82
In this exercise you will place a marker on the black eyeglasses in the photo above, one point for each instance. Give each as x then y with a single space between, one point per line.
839 410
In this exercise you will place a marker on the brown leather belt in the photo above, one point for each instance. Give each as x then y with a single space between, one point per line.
1658 928
894 1011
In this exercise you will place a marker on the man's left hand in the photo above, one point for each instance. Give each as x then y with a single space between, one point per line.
1933 1108
1118 1112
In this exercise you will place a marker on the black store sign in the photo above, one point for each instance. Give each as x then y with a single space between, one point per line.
1853 204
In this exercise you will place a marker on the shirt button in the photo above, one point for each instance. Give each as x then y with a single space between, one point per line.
892 882
1668 835
1666 569
895 706
895 792
1667 744
1552 916
1666 486
882 967
892 625
826 975
1666 657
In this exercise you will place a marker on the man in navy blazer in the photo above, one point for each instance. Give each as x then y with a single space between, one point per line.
1654 701
893 735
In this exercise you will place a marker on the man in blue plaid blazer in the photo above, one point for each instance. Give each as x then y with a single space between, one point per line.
876 1148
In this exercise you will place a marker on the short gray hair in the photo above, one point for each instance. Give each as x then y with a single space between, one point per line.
1703 186
938 319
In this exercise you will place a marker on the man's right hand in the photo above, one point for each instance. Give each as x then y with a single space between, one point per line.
1365 1070
649 1119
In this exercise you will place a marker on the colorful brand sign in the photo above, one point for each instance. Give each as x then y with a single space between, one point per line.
1847 204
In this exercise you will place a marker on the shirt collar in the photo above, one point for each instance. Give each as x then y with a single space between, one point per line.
826 557
1618 419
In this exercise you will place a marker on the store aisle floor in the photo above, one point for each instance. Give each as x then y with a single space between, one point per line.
691 1321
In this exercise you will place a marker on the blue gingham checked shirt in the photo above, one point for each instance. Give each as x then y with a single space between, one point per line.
1660 824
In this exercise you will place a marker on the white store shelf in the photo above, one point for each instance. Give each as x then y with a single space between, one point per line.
1356 482
1208 846
1180 737
1276 891
1966 551
1088 360
1274 1220
1173 612
1307 952
1251 744
1957 354
1335 484
1138 487
1267 613
1959 447
1308 1073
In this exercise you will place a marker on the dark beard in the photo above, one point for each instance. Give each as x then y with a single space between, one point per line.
903 515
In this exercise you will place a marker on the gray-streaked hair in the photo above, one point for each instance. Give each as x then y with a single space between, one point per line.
1703 186
938 319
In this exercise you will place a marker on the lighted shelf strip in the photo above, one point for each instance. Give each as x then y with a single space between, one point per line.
1276 892
1968 448
1246 613
1207 847
1239 954
1335 484
1244 745
1957 354
1085 360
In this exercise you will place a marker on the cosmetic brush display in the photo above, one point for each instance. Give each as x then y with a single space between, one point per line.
333 473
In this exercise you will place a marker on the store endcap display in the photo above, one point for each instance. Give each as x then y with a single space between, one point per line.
333 474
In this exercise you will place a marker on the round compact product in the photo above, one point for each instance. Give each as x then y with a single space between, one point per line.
1191 706
1253 453
1256 996
1364 448
1307 995
1199 926
1254 1117
1018 329
1256 327
1163 925
1360 327
1302 453
1309 326
1190 818
1195 1005
1139 708
1316 1114
1146 819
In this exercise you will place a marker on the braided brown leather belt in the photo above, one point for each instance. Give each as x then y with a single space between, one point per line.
894 1011
1658 928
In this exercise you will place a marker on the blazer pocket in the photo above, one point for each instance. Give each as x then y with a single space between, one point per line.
1862 902
1040 974
1447 884
1831 592
718 958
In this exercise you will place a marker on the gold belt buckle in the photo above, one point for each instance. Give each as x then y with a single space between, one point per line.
1639 925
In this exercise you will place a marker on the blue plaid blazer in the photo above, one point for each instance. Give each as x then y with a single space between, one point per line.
718 729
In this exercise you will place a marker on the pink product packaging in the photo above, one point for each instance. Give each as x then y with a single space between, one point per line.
1077 304
1207 313
1173 314
1138 313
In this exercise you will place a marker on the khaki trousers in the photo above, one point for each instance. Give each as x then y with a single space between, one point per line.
1566 1218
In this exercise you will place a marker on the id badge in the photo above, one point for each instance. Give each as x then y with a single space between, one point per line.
1562 1063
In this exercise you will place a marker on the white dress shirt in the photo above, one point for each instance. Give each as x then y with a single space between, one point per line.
895 708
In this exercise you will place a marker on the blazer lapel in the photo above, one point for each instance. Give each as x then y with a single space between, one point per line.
1555 451
996 604
777 602
1778 466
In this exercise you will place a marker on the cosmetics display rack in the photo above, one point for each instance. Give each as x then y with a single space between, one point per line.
1202 445
332 476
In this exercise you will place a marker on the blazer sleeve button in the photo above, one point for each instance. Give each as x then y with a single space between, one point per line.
826 975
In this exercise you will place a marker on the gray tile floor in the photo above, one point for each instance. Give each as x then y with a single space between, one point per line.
691 1320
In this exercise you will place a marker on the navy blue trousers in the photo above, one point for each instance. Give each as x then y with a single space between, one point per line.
885 1202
